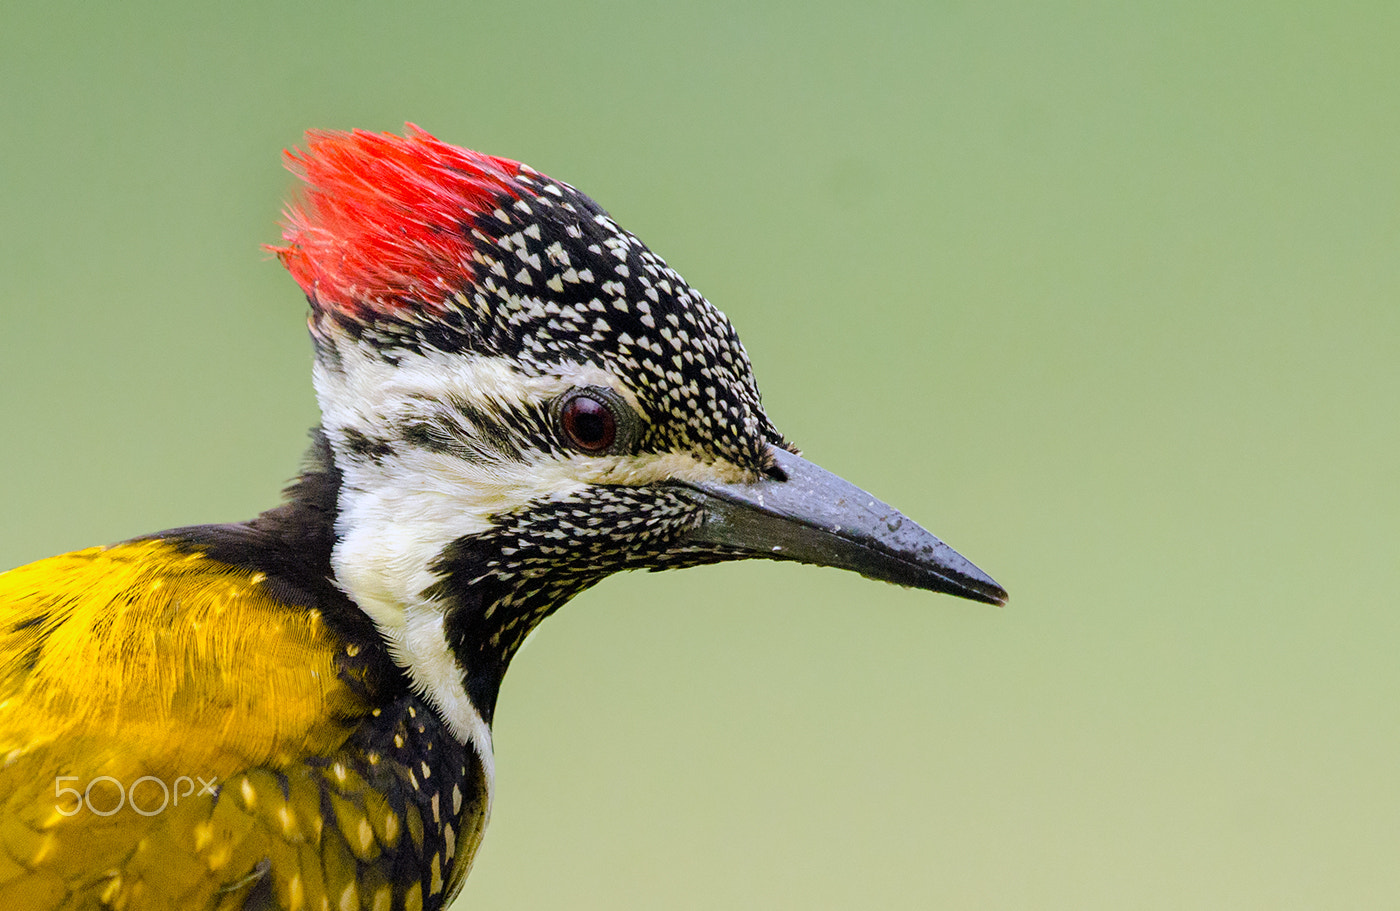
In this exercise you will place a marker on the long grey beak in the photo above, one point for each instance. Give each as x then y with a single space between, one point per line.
816 517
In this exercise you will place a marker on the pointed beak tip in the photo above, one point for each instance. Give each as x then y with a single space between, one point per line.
989 592
974 586
996 596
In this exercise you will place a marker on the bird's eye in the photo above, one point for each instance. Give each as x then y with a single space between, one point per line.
588 422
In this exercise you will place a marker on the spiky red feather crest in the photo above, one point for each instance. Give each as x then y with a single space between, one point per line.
383 225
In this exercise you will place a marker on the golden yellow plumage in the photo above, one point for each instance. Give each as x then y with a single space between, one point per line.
157 653
179 692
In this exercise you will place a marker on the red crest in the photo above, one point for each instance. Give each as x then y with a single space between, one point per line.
384 223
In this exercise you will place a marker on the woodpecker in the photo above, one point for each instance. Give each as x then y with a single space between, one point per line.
518 399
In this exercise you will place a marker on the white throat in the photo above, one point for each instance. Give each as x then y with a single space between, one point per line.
399 509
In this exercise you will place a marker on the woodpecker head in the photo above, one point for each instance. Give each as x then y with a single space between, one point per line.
522 398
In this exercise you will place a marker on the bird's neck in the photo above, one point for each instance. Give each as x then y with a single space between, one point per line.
489 613
423 566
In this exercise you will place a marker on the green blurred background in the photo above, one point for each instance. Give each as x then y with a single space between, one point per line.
1104 294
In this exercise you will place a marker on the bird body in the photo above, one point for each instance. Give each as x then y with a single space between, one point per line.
518 399
194 721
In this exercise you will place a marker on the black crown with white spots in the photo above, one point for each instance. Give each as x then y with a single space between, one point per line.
557 280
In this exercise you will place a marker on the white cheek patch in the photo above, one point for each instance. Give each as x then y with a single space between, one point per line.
398 511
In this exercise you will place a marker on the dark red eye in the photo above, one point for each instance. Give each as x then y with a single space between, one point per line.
588 424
